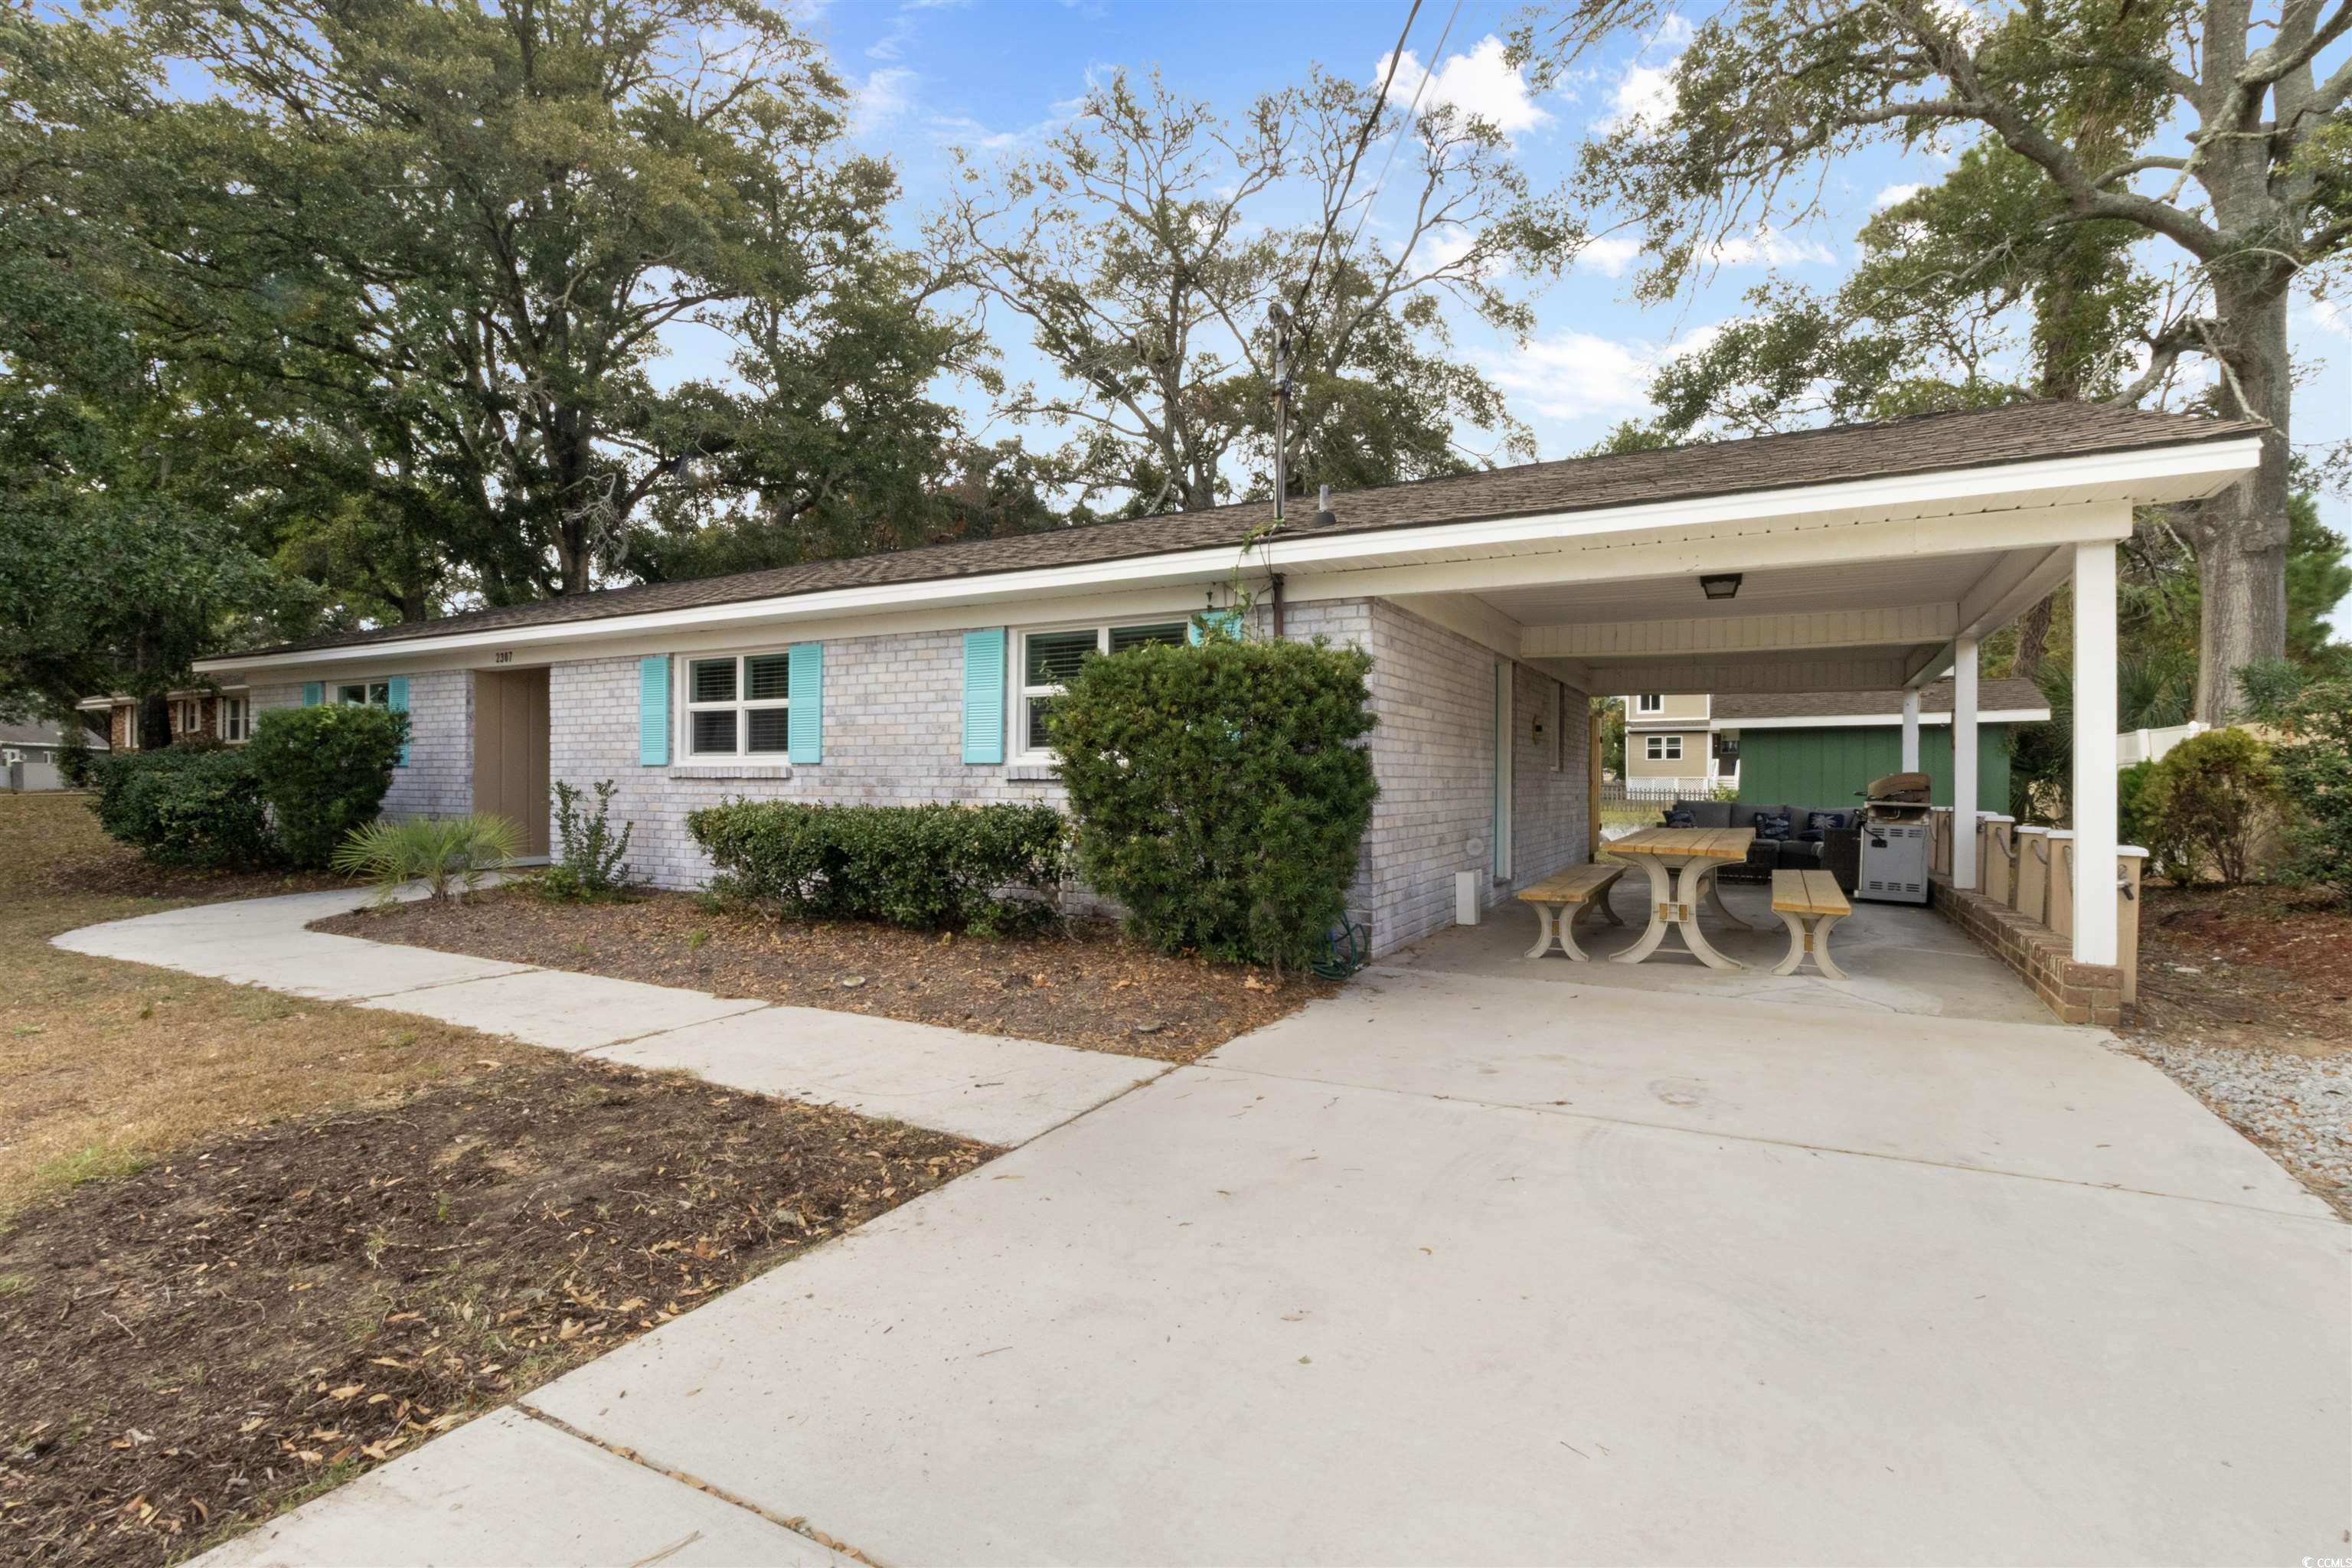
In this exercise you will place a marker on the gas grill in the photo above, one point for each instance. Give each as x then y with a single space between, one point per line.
1894 840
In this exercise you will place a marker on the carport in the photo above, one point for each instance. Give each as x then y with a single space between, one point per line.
1874 582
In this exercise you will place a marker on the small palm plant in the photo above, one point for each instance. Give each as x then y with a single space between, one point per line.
449 853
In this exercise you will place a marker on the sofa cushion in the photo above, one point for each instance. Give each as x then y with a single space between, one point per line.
1707 812
1681 820
1825 819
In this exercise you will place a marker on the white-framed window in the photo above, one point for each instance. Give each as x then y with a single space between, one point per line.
1662 748
187 715
1050 657
235 720
365 693
738 705
1650 702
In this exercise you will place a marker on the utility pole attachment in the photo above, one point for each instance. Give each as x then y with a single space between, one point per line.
1279 315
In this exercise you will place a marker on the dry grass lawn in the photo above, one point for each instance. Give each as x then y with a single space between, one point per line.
104 1066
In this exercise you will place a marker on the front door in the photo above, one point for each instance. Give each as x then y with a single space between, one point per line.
510 776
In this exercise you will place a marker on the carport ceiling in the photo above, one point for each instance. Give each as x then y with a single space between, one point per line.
1862 585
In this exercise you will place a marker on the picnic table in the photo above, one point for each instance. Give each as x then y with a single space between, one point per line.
1682 863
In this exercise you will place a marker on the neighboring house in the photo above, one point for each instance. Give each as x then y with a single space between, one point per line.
1861 557
221 713
1672 746
28 757
1828 746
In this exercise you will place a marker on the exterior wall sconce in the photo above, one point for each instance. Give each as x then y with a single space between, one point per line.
1723 585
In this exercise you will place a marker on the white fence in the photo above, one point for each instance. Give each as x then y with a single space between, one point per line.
2146 745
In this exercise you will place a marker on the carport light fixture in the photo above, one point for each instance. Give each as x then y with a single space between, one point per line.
1722 585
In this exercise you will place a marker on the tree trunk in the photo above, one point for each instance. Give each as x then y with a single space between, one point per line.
2241 535
2033 639
153 717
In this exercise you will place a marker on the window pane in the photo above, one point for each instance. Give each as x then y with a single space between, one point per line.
769 729
711 680
1038 708
350 694
380 694
768 676
1055 657
1125 637
715 732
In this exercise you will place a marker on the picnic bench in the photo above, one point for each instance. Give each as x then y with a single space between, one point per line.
1681 863
1808 903
1562 900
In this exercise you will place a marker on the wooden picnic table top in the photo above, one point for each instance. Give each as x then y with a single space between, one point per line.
1686 843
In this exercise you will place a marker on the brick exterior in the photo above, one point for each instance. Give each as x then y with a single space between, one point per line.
2077 992
437 780
893 728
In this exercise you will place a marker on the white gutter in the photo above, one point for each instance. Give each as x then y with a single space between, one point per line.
2008 486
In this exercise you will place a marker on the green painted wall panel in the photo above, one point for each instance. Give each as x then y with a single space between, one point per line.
1829 767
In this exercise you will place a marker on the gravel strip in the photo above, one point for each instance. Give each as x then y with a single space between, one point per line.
2297 1108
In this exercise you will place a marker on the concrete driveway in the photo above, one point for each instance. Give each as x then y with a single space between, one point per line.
1465 1268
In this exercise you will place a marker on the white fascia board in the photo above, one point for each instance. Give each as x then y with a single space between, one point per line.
1860 721
2162 473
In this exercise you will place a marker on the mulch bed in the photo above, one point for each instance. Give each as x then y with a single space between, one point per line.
185 1352
1091 987
2259 966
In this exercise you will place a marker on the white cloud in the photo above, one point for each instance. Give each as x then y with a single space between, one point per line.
881 98
1891 195
889 46
1765 247
2332 316
1610 253
1480 82
1576 375
1643 98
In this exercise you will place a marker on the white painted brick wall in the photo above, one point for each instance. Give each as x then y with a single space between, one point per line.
893 736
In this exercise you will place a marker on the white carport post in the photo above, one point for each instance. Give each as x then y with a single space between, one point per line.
1910 728
1964 763
2094 753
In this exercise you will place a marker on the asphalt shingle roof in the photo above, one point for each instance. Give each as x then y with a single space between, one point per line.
2016 433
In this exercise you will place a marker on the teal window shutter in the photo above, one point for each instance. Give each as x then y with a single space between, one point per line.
805 725
984 696
652 711
313 693
396 698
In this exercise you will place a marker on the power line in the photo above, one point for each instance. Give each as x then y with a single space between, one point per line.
1397 141
1363 140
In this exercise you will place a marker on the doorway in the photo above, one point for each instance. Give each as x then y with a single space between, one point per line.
510 774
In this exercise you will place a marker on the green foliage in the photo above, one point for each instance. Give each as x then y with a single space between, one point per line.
76 764
1220 791
185 807
450 855
2211 801
2168 856
987 868
2272 688
593 865
1127 243
324 772
2315 772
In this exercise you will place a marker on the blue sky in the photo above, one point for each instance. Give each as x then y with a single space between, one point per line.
998 75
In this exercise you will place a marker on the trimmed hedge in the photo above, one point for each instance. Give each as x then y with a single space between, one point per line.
988 868
188 805
324 772
1220 791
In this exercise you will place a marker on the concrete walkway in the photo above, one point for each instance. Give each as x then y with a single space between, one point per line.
996 1089
1465 1269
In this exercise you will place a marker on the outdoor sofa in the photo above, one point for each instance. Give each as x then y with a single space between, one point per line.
1787 836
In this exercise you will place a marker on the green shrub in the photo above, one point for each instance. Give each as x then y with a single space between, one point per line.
449 853
2212 801
1221 792
593 865
324 772
76 764
988 868
2136 824
2315 772
184 806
